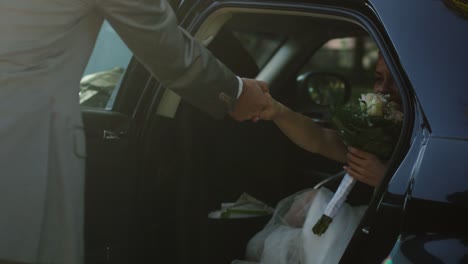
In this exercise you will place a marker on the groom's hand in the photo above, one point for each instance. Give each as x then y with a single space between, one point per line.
251 101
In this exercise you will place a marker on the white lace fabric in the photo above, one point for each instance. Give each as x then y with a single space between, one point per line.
288 236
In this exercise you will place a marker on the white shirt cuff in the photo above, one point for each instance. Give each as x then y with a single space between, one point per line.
241 86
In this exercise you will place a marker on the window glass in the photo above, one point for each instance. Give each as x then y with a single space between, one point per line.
354 58
261 46
105 69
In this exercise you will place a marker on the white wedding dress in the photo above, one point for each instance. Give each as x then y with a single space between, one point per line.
288 236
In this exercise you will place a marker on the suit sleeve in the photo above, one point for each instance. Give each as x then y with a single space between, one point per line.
150 29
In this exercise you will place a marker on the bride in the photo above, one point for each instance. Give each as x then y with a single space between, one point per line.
288 237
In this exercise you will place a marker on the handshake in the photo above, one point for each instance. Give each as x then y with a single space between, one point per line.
255 102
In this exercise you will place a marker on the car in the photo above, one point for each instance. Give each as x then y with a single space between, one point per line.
157 166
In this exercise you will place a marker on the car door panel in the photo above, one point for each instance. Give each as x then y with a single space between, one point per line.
109 180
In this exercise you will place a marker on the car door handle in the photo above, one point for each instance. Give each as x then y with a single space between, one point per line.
366 230
114 135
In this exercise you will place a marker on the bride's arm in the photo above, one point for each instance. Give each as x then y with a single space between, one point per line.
304 132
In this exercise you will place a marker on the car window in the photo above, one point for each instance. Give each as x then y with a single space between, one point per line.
261 46
107 64
353 58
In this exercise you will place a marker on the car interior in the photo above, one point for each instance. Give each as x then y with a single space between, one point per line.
187 163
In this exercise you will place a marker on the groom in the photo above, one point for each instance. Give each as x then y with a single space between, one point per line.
44 50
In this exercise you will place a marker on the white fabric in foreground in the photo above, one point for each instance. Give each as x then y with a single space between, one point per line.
288 237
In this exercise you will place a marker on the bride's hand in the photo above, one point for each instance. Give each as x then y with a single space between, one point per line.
272 110
365 167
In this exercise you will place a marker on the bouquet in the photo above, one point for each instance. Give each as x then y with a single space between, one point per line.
373 125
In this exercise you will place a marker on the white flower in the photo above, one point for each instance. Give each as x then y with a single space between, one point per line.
392 112
373 103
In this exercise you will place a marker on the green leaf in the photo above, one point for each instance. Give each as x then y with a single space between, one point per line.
376 135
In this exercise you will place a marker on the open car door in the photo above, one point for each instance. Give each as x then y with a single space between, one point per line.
114 93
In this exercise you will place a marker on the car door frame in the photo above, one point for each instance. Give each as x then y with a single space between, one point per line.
364 15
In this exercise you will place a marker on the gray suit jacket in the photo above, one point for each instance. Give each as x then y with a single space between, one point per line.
150 30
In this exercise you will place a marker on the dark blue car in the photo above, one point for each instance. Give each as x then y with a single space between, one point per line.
157 166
